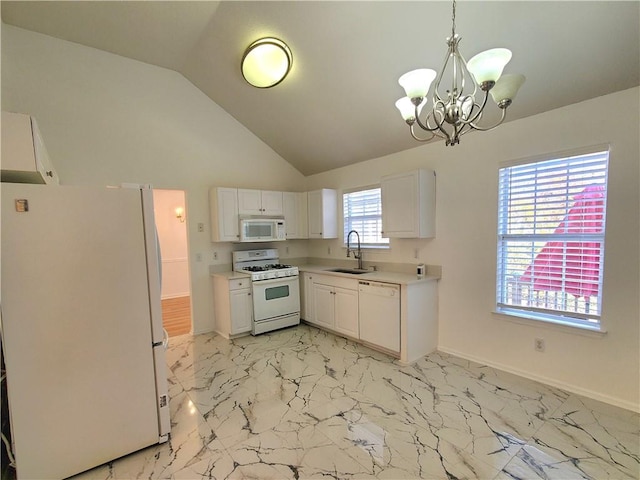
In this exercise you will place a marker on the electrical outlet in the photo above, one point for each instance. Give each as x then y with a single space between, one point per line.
198 257
215 255
286 250
200 227
538 344
328 250
415 253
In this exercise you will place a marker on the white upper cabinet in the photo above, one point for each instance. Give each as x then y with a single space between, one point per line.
223 207
323 210
409 204
295 214
260 202
24 156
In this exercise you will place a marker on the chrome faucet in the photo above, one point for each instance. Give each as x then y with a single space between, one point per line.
357 255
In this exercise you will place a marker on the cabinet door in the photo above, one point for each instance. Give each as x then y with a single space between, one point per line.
346 311
399 206
303 223
224 214
290 208
271 203
323 305
306 297
314 202
241 310
43 162
322 213
258 202
24 156
409 205
249 202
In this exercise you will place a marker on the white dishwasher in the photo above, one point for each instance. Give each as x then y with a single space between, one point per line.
379 307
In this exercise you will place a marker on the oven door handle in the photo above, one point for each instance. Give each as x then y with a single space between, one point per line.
275 280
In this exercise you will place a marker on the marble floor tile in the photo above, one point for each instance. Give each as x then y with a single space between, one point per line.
583 439
302 403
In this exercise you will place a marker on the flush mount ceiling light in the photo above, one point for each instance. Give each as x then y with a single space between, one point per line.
266 62
456 112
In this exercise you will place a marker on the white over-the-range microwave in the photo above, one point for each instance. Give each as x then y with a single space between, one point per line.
260 229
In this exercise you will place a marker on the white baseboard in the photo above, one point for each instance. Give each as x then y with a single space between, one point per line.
548 381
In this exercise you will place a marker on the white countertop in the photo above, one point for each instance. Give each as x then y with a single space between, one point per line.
373 276
231 275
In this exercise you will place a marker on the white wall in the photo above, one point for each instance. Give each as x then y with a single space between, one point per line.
601 366
107 119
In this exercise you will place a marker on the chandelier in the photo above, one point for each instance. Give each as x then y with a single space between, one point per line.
456 112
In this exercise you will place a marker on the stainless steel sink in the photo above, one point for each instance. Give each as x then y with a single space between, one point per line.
353 271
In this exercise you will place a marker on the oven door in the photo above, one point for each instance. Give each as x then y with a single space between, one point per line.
275 297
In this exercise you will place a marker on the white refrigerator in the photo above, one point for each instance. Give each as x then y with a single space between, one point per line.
81 326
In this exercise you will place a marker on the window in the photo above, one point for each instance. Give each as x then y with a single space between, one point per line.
551 224
363 213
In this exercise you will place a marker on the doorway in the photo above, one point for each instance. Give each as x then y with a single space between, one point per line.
171 222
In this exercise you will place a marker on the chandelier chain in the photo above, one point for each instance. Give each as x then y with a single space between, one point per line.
453 20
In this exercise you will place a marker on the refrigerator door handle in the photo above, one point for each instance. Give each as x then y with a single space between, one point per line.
165 338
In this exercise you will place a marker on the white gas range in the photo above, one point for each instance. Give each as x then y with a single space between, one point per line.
275 289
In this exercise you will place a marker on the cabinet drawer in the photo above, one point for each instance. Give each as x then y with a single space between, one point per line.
238 283
348 283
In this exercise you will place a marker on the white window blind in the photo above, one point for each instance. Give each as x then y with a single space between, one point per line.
551 229
363 213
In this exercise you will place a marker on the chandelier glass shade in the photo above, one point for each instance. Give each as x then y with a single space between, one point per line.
459 109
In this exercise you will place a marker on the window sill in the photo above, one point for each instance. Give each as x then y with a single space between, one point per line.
531 319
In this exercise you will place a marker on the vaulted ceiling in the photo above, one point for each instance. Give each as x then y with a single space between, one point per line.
337 105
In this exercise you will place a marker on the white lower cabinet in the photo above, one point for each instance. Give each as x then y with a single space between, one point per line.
346 311
241 310
335 304
233 305
306 296
324 306
398 319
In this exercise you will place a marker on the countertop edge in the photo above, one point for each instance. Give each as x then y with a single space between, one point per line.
230 275
374 276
